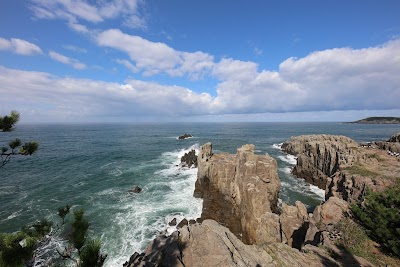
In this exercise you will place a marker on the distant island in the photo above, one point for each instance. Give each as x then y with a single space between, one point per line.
379 120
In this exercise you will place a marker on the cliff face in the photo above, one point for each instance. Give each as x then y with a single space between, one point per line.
341 166
240 194
238 191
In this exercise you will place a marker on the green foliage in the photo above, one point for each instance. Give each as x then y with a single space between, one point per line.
91 256
80 227
354 238
63 211
7 122
361 170
380 215
16 248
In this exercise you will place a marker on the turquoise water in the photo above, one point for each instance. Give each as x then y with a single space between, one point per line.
93 166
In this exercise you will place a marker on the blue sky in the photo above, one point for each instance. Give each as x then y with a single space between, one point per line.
134 60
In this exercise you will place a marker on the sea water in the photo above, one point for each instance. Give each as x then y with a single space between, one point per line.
95 165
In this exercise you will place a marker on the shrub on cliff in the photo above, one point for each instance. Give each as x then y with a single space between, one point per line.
380 215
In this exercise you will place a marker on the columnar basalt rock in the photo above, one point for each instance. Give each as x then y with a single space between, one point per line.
320 156
341 166
238 190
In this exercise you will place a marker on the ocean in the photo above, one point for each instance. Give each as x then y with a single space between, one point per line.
95 165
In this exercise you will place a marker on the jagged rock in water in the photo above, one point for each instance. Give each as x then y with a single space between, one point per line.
189 159
185 136
135 189
320 156
172 222
238 191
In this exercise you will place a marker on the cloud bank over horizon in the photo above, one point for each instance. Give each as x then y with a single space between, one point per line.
163 80
329 80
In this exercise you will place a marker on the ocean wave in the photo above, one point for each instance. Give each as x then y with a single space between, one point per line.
289 159
147 214
277 146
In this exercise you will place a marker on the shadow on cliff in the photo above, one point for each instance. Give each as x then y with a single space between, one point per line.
164 251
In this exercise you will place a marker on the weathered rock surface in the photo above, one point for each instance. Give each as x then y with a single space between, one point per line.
238 191
189 159
341 166
320 156
210 244
294 225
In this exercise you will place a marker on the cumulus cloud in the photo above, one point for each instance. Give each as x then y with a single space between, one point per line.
19 46
333 79
76 64
74 11
323 81
69 98
155 57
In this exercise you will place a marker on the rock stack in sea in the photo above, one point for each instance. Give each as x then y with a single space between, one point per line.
242 223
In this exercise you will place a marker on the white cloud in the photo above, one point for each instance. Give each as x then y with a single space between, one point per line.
324 81
59 99
335 79
75 11
153 57
66 60
19 46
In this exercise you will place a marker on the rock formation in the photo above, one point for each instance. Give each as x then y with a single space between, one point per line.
185 136
341 166
238 191
211 244
189 159
242 225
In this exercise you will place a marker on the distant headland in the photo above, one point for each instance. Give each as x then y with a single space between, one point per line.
379 120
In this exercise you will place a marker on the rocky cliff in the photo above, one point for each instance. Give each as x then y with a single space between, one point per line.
341 166
238 191
242 223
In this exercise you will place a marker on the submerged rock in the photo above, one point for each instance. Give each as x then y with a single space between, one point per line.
135 189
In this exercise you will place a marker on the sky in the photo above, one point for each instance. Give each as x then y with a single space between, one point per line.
77 61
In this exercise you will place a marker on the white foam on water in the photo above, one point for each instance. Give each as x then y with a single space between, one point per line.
289 159
287 170
277 146
12 215
144 216
317 191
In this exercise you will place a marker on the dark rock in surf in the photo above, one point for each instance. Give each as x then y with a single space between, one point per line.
182 223
173 222
185 136
135 190
189 159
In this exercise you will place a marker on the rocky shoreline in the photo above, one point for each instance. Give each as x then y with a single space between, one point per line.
241 223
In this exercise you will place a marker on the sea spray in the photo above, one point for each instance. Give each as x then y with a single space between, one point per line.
143 216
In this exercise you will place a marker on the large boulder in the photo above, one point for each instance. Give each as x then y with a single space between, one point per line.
238 190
